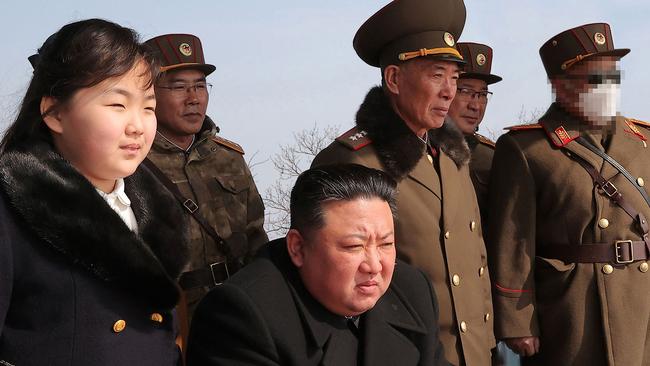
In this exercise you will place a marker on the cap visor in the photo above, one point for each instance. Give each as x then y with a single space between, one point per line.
447 57
488 78
206 68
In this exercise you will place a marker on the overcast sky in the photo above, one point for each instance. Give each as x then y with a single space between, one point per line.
286 65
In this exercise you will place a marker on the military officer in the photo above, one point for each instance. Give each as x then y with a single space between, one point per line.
568 216
208 170
467 111
399 129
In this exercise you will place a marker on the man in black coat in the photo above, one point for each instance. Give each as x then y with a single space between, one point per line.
330 292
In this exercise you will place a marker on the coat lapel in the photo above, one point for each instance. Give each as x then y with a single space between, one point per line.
622 142
386 333
425 174
451 179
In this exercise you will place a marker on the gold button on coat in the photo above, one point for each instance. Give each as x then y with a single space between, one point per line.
481 271
430 158
607 269
643 267
447 235
640 182
119 326
455 279
463 327
472 225
157 317
603 223
487 317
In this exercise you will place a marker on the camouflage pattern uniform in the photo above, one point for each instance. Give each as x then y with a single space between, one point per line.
213 174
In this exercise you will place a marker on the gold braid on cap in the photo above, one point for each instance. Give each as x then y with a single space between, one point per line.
404 56
574 60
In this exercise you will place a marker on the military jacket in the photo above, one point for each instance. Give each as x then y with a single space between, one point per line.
482 150
215 176
440 236
584 313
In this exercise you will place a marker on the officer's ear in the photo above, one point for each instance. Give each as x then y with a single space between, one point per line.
391 78
295 246
50 114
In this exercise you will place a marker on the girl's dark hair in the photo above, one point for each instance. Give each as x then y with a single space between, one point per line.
340 182
80 55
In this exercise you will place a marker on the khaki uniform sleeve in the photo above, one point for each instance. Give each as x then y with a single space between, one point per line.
511 241
255 218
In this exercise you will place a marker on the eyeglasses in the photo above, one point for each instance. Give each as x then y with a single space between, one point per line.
597 79
181 90
468 94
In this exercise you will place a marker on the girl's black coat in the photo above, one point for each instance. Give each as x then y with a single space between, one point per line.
70 268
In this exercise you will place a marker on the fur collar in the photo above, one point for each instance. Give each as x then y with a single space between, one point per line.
63 209
397 146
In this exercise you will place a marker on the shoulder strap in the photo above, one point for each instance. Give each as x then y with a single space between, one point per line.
188 204
582 141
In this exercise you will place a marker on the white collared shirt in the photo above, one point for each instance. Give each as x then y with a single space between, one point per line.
121 204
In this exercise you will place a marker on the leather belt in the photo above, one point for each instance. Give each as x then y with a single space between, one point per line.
211 275
621 252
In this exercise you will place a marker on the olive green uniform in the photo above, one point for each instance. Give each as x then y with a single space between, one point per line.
584 313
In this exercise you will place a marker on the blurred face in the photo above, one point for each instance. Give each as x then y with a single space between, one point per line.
591 90
105 131
421 91
347 265
468 107
182 97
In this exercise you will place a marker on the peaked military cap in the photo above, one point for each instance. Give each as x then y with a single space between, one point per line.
574 45
478 58
180 51
406 29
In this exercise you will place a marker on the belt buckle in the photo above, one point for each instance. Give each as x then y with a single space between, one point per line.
610 190
190 205
619 251
214 278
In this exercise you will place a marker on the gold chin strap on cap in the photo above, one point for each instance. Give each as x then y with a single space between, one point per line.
404 56
574 60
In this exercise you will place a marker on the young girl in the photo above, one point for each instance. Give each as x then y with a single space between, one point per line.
90 244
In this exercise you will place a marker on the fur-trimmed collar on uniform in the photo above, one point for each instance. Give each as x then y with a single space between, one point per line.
65 211
398 148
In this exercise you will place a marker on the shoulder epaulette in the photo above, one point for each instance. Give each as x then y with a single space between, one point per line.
227 143
530 126
638 122
354 139
484 140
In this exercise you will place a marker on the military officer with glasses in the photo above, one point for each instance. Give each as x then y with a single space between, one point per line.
568 232
208 172
467 111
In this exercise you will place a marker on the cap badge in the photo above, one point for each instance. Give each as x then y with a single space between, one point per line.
185 49
480 59
449 39
599 38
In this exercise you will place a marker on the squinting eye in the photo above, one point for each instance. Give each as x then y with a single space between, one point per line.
178 88
117 105
201 86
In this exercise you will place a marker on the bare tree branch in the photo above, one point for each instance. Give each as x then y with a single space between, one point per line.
289 162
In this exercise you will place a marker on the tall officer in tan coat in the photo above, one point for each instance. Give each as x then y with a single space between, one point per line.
467 111
568 230
399 129
208 170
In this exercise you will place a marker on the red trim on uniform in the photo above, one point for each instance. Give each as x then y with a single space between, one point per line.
511 290
176 51
361 146
157 40
573 31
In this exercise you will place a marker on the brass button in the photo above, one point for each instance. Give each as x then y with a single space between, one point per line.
472 225
430 158
119 326
157 317
463 327
607 269
455 279
643 267
481 271
447 235
487 317
603 223
640 182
